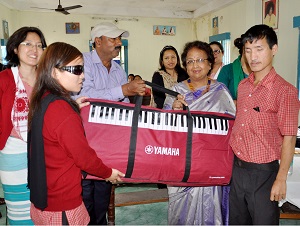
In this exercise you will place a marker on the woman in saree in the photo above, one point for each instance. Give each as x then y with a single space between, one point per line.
199 205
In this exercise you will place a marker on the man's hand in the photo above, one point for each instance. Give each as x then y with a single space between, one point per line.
278 191
135 87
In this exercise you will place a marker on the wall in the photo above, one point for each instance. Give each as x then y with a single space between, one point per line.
238 17
144 47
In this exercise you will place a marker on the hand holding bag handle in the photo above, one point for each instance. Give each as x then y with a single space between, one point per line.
134 130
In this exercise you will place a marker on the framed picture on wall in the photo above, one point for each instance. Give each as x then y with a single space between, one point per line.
164 30
270 13
5 29
72 28
215 25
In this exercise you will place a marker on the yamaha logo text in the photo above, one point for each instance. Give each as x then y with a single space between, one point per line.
149 149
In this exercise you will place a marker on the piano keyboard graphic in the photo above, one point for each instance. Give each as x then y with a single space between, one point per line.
158 120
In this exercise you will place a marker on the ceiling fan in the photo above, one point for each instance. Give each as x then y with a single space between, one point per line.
61 9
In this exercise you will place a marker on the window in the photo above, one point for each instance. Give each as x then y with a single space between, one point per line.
296 24
224 39
3 51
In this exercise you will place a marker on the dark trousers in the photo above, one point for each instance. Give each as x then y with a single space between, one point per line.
249 198
96 196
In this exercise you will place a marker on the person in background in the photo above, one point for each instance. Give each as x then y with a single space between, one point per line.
24 49
198 205
218 54
130 77
231 74
104 79
168 75
59 153
264 132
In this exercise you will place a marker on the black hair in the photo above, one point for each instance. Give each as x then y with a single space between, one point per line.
218 44
57 55
260 31
178 67
137 76
270 5
14 41
201 46
239 44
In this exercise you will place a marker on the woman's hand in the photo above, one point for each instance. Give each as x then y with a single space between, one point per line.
116 176
81 101
179 102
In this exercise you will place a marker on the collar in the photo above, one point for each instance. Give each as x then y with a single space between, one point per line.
96 60
267 81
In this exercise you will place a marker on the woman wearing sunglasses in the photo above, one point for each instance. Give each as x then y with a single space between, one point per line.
23 51
58 150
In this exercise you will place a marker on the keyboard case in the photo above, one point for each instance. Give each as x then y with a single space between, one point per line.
152 145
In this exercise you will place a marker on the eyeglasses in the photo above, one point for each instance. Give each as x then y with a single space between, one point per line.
31 45
217 51
76 70
198 61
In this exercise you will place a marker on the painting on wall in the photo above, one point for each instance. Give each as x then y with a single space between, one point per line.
5 29
164 30
270 13
72 28
215 25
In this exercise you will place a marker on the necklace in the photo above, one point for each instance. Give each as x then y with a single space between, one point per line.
173 75
199 93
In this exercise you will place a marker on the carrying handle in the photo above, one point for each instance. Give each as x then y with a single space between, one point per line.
134 130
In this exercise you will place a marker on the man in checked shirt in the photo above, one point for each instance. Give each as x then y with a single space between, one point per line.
264 132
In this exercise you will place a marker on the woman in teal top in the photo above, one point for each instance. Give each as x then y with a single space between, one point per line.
231 74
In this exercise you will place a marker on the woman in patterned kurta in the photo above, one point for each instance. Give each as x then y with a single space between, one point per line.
24 49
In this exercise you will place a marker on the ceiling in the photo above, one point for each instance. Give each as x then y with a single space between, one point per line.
126 8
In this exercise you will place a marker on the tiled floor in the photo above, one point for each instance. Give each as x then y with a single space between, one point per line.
146 214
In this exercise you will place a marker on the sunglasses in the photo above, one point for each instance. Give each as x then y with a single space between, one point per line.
76 70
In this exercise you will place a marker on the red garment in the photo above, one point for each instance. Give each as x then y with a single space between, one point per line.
7 97
78 216
67 153
265 113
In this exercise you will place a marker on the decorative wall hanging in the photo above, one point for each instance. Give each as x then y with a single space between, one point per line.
164 30
270 13
72 28
5 29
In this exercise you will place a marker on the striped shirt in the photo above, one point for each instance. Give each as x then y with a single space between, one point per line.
101 83
265 114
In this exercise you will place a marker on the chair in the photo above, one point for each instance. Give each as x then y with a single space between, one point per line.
289 211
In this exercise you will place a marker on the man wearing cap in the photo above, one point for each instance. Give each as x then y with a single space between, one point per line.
104 79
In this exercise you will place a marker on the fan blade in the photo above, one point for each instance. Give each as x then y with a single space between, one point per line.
72 7
64 12
41 8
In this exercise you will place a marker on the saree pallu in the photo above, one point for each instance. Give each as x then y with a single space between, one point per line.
201 205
